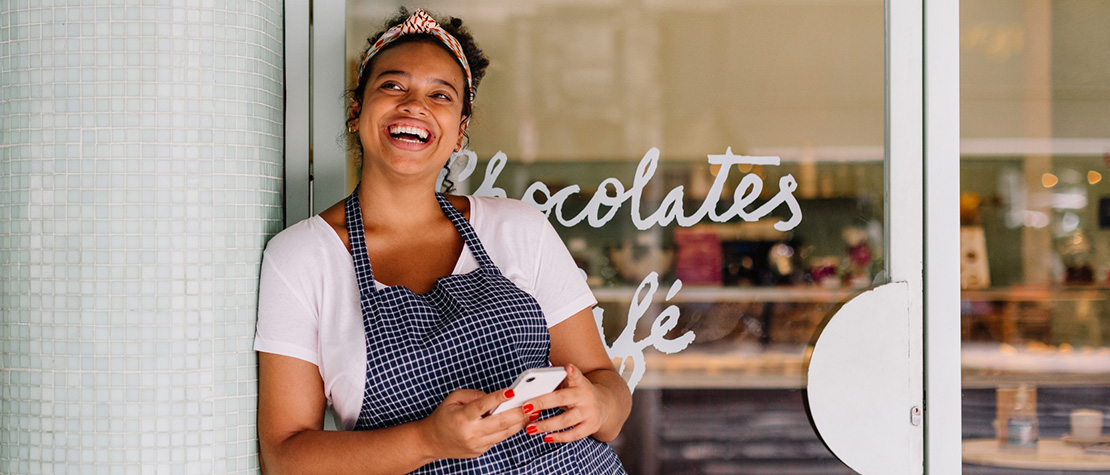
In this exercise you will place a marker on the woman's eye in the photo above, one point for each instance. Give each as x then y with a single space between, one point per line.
442 96
391 85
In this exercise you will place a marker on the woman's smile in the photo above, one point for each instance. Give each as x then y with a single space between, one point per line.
410 136
408 133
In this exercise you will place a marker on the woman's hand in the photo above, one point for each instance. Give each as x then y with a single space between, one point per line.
458 428
595 398
584 404
291 406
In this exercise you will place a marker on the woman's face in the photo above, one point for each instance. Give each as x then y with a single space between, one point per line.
411 118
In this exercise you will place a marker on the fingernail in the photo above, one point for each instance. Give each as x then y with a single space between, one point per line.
527 408
570 369
509 393
531 429
548 439
533 416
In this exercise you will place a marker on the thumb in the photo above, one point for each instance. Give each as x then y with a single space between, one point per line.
574 376
462 397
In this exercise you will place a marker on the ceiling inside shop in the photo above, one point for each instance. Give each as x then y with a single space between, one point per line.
576 79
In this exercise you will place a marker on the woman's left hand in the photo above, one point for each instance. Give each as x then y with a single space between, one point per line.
585 409
595 399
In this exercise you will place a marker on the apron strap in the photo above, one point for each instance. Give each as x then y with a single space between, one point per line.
467 232
356 235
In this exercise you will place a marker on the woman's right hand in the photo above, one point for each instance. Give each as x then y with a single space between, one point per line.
291 405
459 427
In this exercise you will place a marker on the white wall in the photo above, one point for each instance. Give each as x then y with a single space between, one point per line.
140 176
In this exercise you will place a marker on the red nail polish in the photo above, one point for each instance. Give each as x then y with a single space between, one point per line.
548 439
531 429
509 393
527 408
533 416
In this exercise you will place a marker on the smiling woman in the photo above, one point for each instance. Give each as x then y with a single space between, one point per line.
479 290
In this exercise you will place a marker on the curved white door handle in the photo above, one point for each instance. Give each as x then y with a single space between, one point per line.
859 374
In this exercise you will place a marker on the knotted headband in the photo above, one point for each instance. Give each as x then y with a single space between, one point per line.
420 23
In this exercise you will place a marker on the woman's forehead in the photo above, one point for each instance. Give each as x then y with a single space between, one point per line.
419 57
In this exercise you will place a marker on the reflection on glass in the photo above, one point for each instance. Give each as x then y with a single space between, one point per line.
707 303
1035 119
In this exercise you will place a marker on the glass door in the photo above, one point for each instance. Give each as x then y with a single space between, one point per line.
730 177
1035 235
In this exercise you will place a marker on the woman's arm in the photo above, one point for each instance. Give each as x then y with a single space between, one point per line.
595 397
290 422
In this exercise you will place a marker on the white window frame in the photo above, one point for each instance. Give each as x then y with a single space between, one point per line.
941 164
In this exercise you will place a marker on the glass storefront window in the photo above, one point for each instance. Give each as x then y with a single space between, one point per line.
1035 215
638 100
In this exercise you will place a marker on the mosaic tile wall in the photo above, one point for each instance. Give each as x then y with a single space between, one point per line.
140 176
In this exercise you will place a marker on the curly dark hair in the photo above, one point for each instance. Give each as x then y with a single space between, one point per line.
454 26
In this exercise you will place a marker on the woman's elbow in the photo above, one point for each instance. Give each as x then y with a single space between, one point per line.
273 452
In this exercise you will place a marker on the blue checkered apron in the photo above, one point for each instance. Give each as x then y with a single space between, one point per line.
476 330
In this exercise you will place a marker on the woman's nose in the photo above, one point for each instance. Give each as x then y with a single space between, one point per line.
414 104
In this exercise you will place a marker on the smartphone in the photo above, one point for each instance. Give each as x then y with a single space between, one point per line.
532 383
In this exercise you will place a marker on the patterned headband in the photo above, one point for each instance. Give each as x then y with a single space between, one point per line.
420 23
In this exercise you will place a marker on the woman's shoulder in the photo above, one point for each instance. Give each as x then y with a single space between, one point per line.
303 243
505 210
516 227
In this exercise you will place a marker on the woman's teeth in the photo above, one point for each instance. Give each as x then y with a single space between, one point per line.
409 133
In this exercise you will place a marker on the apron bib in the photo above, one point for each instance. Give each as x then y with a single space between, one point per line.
477 331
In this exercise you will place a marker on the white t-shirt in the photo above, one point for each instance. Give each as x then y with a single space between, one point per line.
308 300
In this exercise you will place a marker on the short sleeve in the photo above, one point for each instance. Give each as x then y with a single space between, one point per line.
286 325
560 287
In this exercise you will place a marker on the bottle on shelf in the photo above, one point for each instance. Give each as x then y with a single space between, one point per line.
1021 425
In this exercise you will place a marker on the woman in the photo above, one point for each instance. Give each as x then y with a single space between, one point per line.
453 327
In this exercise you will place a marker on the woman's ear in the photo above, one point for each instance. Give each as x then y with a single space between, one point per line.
462 133
352 120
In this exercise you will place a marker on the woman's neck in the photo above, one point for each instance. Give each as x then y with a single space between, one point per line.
388 205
